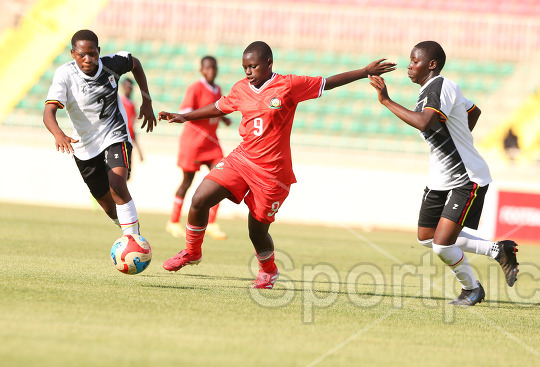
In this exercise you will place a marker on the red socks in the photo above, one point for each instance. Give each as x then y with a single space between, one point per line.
194 238
266 263
177 209
212 213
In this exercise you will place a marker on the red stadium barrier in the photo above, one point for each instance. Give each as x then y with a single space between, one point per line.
518 216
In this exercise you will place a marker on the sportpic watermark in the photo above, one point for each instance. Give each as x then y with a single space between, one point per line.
366 285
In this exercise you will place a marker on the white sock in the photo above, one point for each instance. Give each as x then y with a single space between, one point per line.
127 216
117 222
470 243
455 258
426 243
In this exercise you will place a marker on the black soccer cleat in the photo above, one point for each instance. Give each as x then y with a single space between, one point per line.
508 260
470 297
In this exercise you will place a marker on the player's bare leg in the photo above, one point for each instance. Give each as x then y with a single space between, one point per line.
208 194
118 183
264 250
108 205
125 207
173 225
213 229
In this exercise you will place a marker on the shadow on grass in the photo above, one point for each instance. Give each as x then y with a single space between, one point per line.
489 303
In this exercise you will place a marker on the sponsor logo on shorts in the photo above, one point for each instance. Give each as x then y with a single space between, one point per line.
275 103
219 165
116 155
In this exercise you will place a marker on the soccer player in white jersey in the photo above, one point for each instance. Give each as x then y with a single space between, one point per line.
458 176
87 87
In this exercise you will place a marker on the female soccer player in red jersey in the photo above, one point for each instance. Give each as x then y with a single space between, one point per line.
199 145
259 171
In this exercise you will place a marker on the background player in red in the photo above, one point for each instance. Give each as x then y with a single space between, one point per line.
129 106
259 170
199 145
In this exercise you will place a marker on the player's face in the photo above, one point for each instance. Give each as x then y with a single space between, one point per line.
420 67
209 70
257 70
86 55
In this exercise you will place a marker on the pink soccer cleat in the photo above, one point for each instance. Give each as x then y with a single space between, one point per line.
266 280
180 260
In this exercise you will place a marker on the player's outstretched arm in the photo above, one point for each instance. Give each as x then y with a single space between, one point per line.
62 141
420 120
202 113
377 67
146 109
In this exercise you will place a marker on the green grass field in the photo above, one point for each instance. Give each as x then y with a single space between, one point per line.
344 298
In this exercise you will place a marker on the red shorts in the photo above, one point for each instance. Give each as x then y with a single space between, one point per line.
198 146
262 195
193 165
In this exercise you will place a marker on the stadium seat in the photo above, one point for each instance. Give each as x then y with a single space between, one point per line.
350 111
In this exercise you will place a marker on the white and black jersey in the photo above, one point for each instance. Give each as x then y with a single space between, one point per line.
92 104
453 160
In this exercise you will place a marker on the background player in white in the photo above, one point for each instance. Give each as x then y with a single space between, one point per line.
87 87
458 176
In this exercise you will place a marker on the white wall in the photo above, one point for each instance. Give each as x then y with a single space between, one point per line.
334 187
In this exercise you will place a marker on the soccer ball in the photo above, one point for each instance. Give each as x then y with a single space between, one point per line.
131 254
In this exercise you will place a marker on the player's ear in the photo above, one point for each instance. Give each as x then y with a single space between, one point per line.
270 62
72 53
432 65
99 50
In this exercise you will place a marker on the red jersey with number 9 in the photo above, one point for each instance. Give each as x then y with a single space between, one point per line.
267 118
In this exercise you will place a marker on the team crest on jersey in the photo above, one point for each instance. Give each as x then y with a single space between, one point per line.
275 103
112 81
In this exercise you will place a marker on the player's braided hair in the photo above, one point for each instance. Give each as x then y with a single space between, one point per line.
84 35
433 51
261 49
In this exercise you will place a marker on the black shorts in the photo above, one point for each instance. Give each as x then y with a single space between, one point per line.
94 171
462 205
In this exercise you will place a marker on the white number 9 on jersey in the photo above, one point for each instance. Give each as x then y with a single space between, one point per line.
258 125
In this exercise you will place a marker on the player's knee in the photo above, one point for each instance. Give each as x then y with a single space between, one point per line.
120 191
427 243
199 201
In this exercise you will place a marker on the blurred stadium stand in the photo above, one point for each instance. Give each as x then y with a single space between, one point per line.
489 44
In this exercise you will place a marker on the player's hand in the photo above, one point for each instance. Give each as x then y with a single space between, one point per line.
171 117
227 121
149 120
63 143
379 67
378 83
